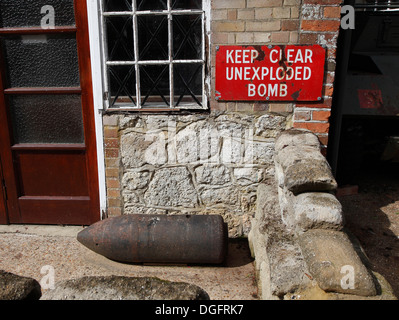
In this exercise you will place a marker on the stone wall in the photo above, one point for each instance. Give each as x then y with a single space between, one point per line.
206 163
154 162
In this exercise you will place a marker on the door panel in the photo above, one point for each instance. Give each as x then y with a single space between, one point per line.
48 144
55 210
3 209
52 173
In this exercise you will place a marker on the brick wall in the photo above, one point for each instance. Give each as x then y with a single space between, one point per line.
112 165
248 22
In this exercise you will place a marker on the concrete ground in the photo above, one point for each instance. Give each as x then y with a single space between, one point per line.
28 250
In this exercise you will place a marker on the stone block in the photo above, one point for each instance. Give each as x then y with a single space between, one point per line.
171 187
212 174
305 169
15 287
309 176
269 125
334 263
317 210
278 259
133 180
296 138
124 288
138 149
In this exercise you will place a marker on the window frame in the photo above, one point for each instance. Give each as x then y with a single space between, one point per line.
204 60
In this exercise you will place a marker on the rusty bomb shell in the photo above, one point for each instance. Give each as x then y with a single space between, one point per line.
159 238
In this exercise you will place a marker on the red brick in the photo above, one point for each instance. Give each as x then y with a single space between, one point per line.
302 115
111 153
316 127
259 106
232 14
114 202
323 140
113 193
328 91
321 115
280 37
308 38
330 77
111 132
323 105
327 101
320 25
111 143
113 183
331 53
220 106
280 107
289 25
112 163
112 172
244 106
113 212
332 12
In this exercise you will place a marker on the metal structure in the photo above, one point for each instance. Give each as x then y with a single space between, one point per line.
159 238
154 54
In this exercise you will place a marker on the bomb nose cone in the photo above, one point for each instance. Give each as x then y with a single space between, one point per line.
84 237
92 236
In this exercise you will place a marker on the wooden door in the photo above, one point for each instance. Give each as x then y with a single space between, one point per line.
47 132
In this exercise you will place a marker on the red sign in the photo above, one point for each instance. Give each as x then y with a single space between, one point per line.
270 73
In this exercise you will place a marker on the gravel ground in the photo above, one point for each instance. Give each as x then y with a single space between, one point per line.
372 215
25 250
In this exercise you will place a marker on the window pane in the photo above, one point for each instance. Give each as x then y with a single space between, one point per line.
47 118
117 5
186 4
188 83
123 85
187 37
143 5
153 37
41 61
154 85
28 13
120 38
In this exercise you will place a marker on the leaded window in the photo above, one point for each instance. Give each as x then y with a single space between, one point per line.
154 54
377 5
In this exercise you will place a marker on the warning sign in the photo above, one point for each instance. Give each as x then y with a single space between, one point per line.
270 73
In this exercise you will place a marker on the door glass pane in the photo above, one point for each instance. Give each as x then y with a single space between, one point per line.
36 13
47 118
41 61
